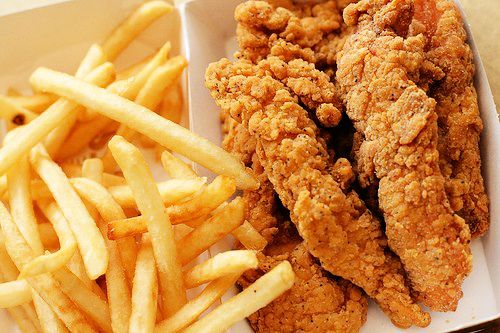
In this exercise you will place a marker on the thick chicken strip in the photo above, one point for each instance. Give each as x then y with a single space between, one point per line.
336 228
460 124
399 124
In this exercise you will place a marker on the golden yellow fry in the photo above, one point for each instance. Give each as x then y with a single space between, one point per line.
35 131
127 227
109 180
171 191
49 262
250 237
95 56
88 236
11 91
259 294
211 231
150 203
25 324
194 308
222 264
21 205
145 121
133 69
48 319
150 97
128 30
175 167
15 114
37 103
92 169
76 266
171 106
90 303
20 252
48 236
216 193
144 290
14 293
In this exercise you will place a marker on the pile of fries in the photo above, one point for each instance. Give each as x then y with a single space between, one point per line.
101 246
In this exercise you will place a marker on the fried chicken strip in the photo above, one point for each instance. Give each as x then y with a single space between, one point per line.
336 228
399 123
460 124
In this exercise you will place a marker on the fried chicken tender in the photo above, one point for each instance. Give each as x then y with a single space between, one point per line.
399 123
336 227
316 302
460 124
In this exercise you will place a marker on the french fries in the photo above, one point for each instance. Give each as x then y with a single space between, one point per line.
168 134
150 204
249 237
14 114
256 296
175 167
14 293
36 103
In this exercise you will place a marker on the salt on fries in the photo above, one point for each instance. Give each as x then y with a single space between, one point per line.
84 249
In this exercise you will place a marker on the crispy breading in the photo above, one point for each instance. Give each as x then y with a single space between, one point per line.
399 123
460 124
336 228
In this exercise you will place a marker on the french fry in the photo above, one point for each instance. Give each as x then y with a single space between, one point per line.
44 284
22 320
140 19
21 205
88 236
109 180
260 293
32 133
250 237
222 264
146 122
171 191
48 319
76 266
49 262
144 290
194 308
171 106
95 56
14 293
151 205
127 227
37 103
175 167
14 114
48 236
150 97
216 193
211 231
92 169
11 91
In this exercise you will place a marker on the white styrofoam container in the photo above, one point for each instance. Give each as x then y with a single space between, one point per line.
58 35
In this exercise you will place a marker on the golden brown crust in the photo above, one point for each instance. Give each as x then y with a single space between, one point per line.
399 124
336 228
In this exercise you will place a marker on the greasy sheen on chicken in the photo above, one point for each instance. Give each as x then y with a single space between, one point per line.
459 122
336 227
376 72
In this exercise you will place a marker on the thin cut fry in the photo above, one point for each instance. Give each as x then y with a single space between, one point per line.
48 319
211 231
92 168
146 122
14 293
194 308
171 191
150 203
250 237
36 103
140 19
11 91
15 114
48 236
171 106
260 293
175 167
35 131
226 263
49 262
22 320
88 236
145 290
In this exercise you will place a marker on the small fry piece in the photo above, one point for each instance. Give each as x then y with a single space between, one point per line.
211 231
171 191
48 319
36 103
11 91
127 227
250 237
14 293
175 167
171 106
225 263
216 193
88 236
194 308
150 203
48 236
145 290
49 262
26 325
15 114
140 19
259 294
146 122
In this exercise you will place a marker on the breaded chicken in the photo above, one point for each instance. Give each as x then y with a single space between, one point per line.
376 70
460 124
336 227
